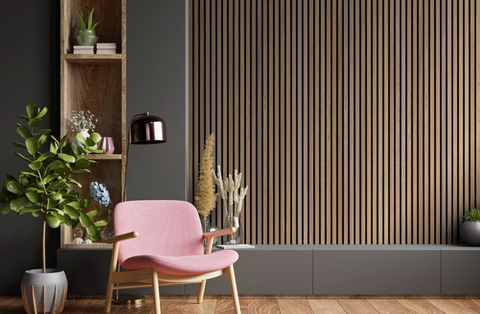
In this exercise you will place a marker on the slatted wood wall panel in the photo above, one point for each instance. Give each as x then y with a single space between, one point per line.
352 121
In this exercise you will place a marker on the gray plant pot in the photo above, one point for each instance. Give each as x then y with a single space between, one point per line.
470 232
44 292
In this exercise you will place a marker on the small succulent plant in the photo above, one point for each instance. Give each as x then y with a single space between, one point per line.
87 24
472 215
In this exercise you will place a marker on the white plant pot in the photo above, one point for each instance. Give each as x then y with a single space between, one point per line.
44 292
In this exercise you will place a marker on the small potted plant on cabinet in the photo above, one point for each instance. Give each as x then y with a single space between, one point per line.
44 192
470 229
86 32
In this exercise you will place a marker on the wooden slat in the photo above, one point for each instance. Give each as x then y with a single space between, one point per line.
351 121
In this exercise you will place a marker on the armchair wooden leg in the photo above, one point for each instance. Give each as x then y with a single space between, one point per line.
156 292
233 286
108 298
201 291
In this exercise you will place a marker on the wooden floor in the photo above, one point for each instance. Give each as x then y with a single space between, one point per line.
267 305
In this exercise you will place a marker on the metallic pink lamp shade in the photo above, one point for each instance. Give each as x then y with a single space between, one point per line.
147 129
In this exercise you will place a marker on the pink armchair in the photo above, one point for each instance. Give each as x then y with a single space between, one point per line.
161 243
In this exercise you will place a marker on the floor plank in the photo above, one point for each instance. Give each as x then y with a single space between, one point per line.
356 306
471 304
420 306
388 306
263 306
206 307
325 306
225 306
451 306
294 306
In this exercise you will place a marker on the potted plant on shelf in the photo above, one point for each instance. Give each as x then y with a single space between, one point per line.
86 32
470 229
43 191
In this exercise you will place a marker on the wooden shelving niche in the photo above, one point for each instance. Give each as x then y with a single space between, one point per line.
96 83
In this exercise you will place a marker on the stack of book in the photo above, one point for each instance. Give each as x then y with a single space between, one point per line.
106 48
84 50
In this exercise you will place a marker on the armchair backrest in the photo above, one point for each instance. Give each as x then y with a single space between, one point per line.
165 228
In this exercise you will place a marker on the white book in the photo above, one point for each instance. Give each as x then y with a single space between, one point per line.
83 47
83 52
105 51
106 45
235 246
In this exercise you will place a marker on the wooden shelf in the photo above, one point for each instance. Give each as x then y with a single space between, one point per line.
94 245
104 157
95 83
94 59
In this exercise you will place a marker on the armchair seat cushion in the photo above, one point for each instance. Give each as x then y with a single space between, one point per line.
183 265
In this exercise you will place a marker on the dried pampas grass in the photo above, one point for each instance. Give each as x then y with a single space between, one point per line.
231 192
205 199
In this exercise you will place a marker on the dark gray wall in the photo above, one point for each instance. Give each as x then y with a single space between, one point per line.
30 71
30 74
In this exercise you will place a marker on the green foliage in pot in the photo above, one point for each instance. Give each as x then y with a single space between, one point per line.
43 191
472 215
87 24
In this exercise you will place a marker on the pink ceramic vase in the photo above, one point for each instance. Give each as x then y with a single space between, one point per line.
106 144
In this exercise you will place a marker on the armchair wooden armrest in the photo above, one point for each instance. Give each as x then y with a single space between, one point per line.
218 233
122 237
210 235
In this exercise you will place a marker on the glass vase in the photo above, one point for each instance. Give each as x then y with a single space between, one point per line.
237 237
207 226
107 231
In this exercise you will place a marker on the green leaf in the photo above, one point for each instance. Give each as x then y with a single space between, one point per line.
42 113
32 145
67 158
95 137
64 140
29 174
35 165
46 131
37 213
100 223
20 203
28 210
42 139
82 162
20 145
32 196
75 205
81 171
55 197
15 187
74 182
54 145
93 213
48 178
79 137
45 156
72 213
93 233
23 157
58 185
32 111
85 220
52 221
91 143
5 209
95 26
34 122
24 131
90 19
82 21
57 215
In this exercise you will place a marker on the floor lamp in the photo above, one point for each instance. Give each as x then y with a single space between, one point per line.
143 129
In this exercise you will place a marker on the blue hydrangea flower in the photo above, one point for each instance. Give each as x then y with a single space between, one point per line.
100 193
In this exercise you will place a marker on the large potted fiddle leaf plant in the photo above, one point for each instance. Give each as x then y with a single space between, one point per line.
43 190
